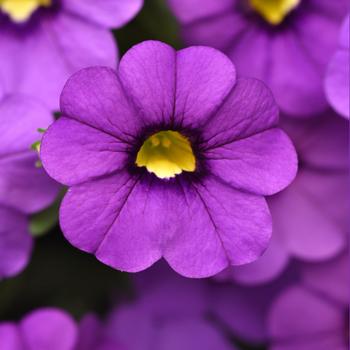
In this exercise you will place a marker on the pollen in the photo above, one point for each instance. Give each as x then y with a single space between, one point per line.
21 10
166 154
274 11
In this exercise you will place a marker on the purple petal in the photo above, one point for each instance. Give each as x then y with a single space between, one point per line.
188 11
263 164
204 78
78 53
248 110
224 226
190 335
73 152
267 268
215 31
48 329
147 72
22 184
295 79
303 215
301 320
330 154
250 50
21 117
15 242
244 310
108 13
330 277
10 337
338 82
114 218
95 97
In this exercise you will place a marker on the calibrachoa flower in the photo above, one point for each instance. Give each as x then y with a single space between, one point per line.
337 79
170 156
313 314
24 187
286 43
307 224
43 42
42 329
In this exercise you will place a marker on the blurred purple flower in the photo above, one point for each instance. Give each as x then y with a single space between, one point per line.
169 313
24 188
204 219
338 74
42 46
311 216
42 329
314 313
290 54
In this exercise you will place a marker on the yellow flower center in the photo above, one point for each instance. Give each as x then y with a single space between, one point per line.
21 10
166 154
274 11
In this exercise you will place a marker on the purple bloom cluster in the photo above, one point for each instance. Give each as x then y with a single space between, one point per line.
176 158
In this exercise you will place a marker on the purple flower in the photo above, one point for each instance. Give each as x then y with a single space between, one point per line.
308 226
286 43
42 329
170 156
24 188
314 313
44 42
337 80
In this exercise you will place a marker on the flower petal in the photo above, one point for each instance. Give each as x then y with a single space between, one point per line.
113 218
331 278
263 164
248 110
267 268
75 50
332 154
108 13
10 337
204 78
147 72
188 11
222 226
338 84
23 185
21 117
214 31
289 331
191 334
95 97
305 219
73 152
15 242
48 329
296 80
